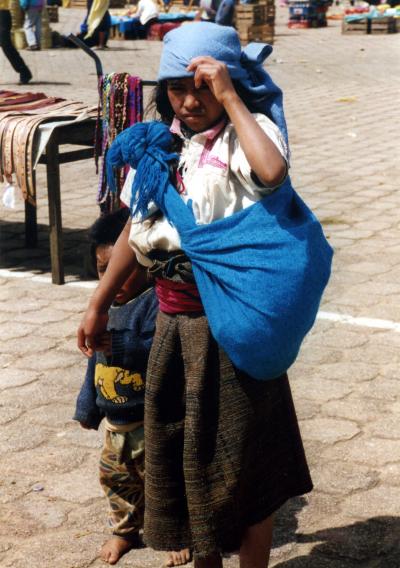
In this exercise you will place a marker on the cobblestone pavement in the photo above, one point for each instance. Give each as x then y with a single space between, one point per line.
342 103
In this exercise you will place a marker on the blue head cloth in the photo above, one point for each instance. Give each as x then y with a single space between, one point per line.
144 147
222 42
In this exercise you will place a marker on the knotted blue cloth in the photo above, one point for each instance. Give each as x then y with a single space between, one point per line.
260 272
222 42
146 151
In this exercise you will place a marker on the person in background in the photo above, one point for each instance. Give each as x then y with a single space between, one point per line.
97 23
147 11
9 50
33 22
219 11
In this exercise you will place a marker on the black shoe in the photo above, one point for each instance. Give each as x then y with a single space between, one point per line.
25 77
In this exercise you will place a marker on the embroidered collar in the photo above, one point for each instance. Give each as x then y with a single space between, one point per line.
177 127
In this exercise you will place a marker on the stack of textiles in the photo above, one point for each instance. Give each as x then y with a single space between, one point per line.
21 114
120 106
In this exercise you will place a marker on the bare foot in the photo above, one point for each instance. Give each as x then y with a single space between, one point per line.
178 558
113 549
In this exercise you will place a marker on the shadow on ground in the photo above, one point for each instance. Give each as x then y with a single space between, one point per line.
63 84
373 543
14 255
34 83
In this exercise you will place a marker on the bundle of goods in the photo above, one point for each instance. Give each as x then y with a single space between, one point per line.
308 13
120 106
357 10
158 30
379 20
256 22
125 25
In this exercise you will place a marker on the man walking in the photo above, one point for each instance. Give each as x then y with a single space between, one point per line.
5 43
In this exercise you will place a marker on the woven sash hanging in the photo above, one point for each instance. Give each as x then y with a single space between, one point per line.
120 106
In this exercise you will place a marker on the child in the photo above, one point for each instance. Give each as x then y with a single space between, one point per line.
114 390
223 450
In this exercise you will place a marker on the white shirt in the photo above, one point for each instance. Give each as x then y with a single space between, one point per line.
216 177
146 11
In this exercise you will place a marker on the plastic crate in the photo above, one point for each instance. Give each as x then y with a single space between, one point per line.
300 12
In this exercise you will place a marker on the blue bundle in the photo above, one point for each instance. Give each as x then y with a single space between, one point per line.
260 272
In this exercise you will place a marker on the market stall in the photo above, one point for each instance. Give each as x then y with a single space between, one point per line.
366 19
126 26
33 127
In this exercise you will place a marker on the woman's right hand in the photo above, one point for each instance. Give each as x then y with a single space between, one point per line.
91 331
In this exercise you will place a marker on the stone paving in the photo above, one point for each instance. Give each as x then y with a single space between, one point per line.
341 96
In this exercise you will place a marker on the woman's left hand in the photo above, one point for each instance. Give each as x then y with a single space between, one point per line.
215 74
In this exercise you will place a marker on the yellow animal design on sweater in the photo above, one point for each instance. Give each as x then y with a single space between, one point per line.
107 380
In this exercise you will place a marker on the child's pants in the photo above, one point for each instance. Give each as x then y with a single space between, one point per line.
122 479
33 26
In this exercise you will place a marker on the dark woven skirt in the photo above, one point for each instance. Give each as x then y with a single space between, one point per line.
223 451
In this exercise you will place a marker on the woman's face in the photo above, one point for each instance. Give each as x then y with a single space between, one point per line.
197 108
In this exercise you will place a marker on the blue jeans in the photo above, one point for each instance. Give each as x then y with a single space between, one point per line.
33 26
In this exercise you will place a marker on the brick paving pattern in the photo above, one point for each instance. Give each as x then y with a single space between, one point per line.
341 95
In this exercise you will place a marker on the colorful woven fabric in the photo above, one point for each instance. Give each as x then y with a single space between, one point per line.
120 106
21 114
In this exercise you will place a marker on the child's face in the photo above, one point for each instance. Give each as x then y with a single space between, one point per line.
197 108
131 287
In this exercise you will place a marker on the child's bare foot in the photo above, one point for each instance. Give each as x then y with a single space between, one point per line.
113 549
178 558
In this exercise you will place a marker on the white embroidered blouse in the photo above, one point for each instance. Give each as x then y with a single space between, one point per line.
215 175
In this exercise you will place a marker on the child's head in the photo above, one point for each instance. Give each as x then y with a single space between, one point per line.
103 235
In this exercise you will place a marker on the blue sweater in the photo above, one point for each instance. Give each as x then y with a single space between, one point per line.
114 385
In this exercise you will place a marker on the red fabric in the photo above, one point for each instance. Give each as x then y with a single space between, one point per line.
158 31
177 297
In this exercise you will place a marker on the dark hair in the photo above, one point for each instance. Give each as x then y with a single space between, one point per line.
159 103
106 230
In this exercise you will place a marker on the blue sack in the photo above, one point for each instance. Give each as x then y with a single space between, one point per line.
260 272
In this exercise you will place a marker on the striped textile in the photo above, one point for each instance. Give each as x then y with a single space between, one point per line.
223 451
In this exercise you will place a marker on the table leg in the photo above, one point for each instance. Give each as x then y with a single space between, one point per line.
31 221
54 198
30 225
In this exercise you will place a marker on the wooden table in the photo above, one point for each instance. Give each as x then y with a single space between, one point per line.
78 134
